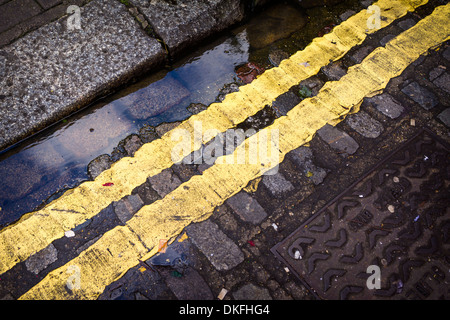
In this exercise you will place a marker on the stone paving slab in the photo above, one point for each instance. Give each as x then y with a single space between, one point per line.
180 24
41 84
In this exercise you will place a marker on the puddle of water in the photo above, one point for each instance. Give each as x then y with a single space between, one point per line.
57 159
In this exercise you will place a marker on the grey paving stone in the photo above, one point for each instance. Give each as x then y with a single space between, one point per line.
46 4
190 286
334 71
183 23
146 193
313 83
406 24
252 292
338 140
436 72
446 53
163 128
247 208
285 102
386 39
347 14
220 250
422 96
227 89
125 208
98 165
361 53
366 3
132 144
276 56
387 105
195 108
42 259
364 124
277 184
164 182
443 82
54 71
444 116
147 134
303 158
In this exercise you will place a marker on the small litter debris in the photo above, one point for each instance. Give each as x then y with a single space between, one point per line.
142 269
275 226
286 269
183 237
396 179
412 122
309 174
162 247
391 208
108 184
399 285
305 64
251 243
361 196
416 218
69 234
169 258
297 255
425 158
176 274
222 294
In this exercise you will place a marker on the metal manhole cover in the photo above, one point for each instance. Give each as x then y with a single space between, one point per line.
396 217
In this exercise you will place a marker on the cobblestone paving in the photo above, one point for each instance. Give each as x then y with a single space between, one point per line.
231 250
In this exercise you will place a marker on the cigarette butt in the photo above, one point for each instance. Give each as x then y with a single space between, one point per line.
222 294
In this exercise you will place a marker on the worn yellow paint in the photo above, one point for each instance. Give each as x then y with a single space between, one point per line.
252 185
38 229
122 247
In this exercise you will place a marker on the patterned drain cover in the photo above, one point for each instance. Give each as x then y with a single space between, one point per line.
396 217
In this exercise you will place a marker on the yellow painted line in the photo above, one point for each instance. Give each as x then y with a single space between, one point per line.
35 230
121 248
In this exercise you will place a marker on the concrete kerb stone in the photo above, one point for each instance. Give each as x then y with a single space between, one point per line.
338 140
303 158
42 259
247 208
184 23
364 124
217 247
127 207
387 105
54 71
425 98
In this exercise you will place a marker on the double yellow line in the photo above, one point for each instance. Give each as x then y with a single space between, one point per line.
37 230
121 248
